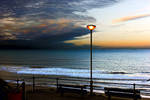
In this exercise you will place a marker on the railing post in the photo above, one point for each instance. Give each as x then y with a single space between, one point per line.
33 83
23 91
134 91
57 82
134 86
91 87
17 82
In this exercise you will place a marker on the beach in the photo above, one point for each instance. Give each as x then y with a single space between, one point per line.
45 91
51 94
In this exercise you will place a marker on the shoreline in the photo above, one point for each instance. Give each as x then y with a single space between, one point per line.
14 76
82 73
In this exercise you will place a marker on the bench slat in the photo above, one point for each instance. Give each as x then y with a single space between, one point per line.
125 95
75 86
73 90
122 90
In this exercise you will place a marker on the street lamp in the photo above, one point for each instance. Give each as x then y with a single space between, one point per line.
91 28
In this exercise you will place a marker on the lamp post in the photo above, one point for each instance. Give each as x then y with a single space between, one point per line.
91 28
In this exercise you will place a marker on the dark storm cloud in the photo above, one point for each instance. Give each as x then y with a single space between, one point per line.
53 21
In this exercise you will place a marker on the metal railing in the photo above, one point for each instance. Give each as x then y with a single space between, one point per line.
98 84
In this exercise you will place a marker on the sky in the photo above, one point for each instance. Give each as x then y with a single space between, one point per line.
62 23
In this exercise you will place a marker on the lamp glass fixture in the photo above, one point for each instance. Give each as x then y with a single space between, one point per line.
91 27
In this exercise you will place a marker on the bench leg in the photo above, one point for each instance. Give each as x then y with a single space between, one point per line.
109 97
134 98
62 93
82 94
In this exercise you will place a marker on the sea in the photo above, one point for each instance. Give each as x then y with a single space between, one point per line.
107 63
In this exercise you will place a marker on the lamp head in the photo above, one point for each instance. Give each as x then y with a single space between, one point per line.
91 27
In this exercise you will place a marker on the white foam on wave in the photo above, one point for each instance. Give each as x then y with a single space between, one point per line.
78 73
72 72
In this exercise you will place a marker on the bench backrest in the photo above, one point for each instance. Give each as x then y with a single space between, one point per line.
122 90
72 86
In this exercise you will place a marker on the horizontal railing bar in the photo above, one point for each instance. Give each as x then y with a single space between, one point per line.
47 77
82 80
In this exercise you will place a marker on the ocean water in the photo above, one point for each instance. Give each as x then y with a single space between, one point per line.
107 63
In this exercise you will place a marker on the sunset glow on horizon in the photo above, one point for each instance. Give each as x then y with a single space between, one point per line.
122 25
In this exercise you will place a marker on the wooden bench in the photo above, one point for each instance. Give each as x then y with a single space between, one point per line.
125 93
78 89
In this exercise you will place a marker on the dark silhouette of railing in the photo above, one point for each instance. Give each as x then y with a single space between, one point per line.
98 84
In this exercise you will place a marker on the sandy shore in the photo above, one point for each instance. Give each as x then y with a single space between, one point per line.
49 93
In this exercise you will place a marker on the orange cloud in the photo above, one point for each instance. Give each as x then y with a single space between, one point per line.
63 21
59 21
128 18
50 21
42 26
26 31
